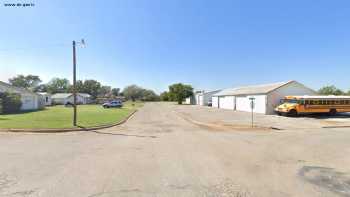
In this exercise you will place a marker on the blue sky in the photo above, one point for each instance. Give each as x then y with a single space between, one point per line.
153 43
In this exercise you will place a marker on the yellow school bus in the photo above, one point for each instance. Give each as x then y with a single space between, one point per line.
294 105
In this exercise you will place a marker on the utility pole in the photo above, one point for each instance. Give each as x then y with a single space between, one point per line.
74 86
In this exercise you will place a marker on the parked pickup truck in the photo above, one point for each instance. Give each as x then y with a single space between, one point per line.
116 104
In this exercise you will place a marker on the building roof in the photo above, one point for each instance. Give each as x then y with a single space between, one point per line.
66 95
61 95
210 92
43 93
253 89
15 89
85 95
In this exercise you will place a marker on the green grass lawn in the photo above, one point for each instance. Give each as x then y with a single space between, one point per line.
61 117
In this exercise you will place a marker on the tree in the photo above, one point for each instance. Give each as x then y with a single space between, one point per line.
92 87
79 85
178 92
115 91
330 90
133 92
164 96
10 102
28 82
105 91
149 95
57 85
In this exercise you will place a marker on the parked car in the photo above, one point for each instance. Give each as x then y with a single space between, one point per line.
116 104
69 104
210 103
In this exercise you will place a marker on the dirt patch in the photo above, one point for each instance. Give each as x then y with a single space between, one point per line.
227 188
222 126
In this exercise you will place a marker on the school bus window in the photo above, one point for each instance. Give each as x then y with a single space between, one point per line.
316 104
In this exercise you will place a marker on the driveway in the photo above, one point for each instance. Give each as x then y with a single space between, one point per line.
236 119
159 152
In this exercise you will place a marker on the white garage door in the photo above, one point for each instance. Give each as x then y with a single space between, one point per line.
200 100
215 101
243 103
227 102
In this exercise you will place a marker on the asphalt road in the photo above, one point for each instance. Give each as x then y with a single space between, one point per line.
160 153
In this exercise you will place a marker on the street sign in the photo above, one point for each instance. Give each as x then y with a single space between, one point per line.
252 102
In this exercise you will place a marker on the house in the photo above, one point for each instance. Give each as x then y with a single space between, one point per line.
64 98
266 96
47 98
29 99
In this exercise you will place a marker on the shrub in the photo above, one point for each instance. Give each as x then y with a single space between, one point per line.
0 106
10 102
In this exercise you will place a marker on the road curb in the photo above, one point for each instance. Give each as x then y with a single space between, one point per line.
71 129
334 127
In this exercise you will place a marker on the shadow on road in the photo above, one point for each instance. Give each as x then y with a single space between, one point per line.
327 116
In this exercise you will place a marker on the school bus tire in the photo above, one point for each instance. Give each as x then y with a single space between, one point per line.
332 112
292 113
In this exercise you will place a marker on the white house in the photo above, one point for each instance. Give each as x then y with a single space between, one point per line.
29 99
47 98
64 98
267 96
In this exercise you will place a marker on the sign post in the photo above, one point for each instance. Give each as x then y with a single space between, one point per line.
252 106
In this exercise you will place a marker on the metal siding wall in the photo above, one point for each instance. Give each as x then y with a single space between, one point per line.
28 102
293 89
